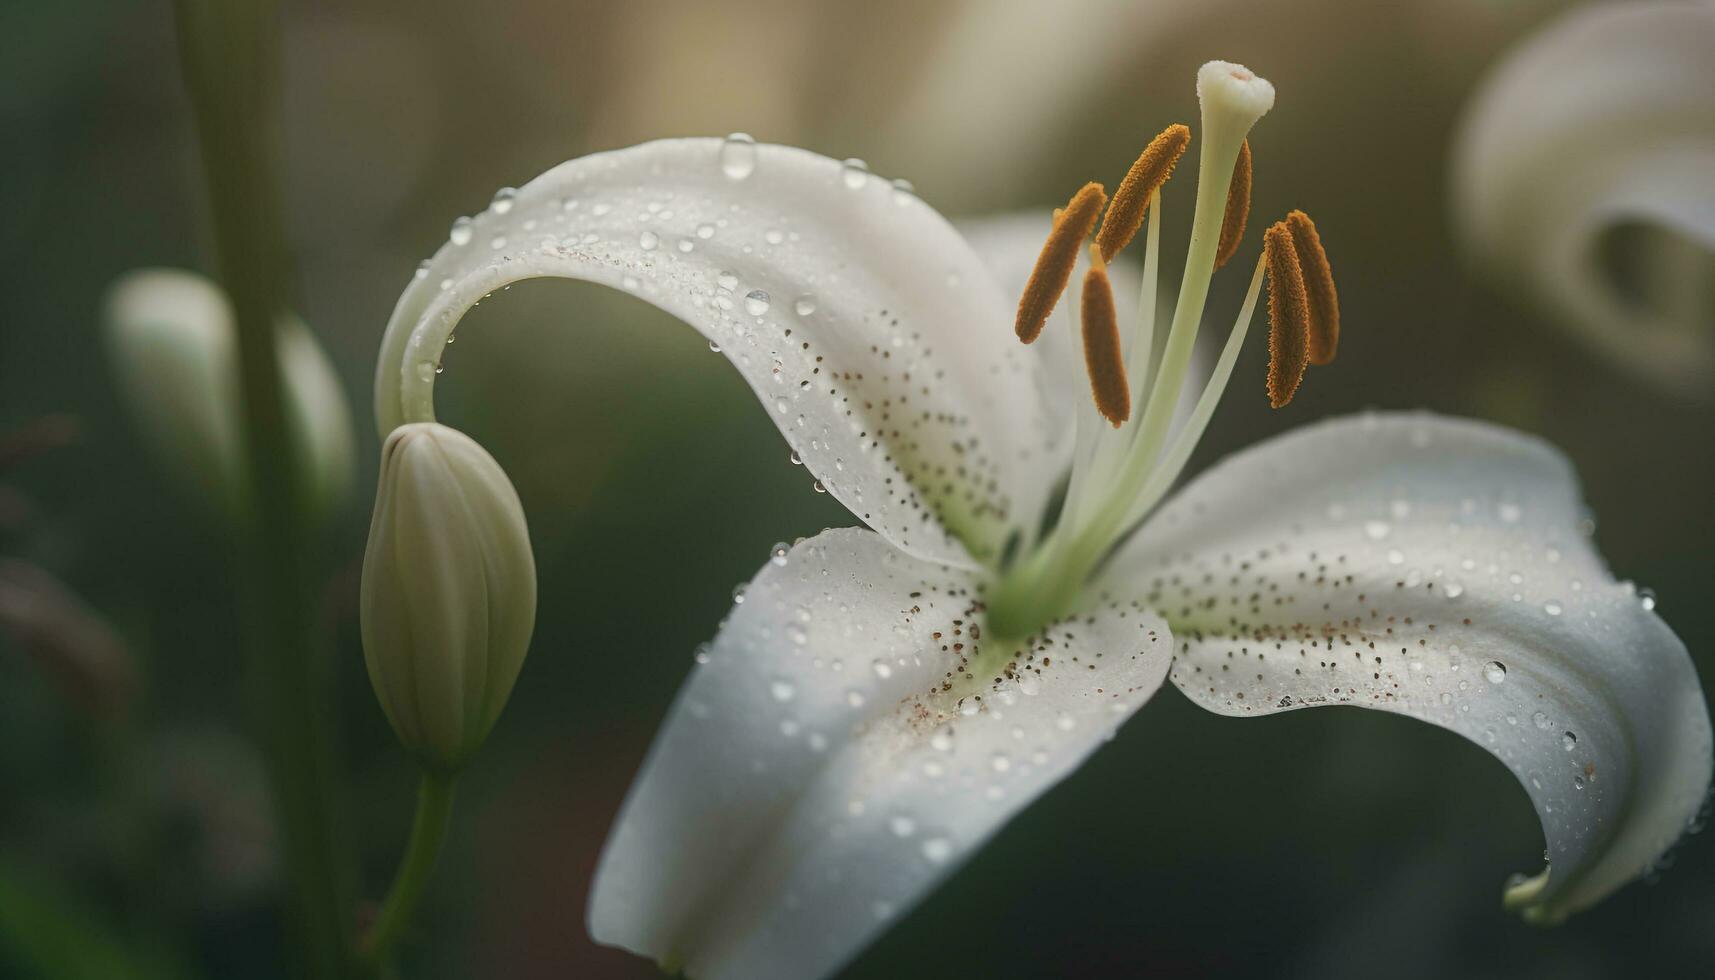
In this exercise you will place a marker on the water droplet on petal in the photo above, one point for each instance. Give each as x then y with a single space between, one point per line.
738 156
805 305
756 302
782 690
503 199
937 849
460 235
882 670
903 191
778 553
1568 741
855 173
1376 530
1494 672
902 826
648 241
1552 608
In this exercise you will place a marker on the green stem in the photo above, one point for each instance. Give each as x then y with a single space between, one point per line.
428 833
227 50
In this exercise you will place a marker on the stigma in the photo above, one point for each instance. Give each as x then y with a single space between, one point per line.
1131 442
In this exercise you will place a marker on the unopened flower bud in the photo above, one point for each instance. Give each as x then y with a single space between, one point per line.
174 348
449 591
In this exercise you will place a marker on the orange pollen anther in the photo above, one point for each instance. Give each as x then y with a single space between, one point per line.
1131 201
1288 315
1324 306
1238 207
1059 254
1102 355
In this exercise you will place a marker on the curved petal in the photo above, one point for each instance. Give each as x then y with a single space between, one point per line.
815 779
1602 123
1438 568
861 319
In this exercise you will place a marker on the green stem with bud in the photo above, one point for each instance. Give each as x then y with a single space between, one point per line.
428 834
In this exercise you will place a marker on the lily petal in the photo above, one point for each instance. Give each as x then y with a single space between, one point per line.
814 780
1436 568
870 330
1602 123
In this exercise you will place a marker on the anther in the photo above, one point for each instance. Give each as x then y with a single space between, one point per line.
1059 254
1145 177
1288 315
1102 355
1324 306
1238 207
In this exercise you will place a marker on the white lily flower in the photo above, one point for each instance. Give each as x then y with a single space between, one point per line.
881 701
1599 131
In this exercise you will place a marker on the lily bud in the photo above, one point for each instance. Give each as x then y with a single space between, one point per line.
449 591
174 347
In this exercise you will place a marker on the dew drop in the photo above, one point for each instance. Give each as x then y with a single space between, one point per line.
1494 672
937 849
818 487
738 594
686 245
782 690
882 670
1646 598
903 191
738 156
942 740
714 347
1568 741
1001 762
777 554
1376 530
1540 720
756 302
855 173
503 199
804 306
1509 513
855 698
460 235
727 280
1552 608
648 241
1452 590
902 826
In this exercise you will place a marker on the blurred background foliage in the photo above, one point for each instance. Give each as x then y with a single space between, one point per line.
135 831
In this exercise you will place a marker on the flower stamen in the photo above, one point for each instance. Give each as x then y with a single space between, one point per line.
1324 308
1101 330
1238 207
1288 316
1151 170
1053 268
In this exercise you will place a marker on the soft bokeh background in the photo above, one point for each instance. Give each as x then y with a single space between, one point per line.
133 814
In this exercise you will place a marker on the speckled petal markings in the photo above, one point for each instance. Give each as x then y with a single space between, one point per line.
1440 569
816 777
869 330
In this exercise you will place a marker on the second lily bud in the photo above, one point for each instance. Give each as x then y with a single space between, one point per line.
449 592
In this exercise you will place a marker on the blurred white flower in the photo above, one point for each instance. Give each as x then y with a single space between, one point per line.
1584 180
449 592
174 348
880 701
